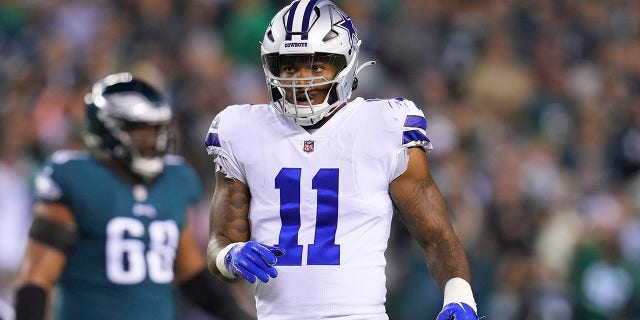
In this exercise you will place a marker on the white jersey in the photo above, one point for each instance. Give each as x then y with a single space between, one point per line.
323 197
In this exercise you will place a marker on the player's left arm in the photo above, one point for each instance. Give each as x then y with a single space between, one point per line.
197 284
52 235
422 207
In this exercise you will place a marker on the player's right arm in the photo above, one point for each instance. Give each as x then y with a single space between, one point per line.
52 234
228 218
230 253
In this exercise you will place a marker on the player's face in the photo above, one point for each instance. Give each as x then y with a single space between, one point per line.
309 70
144 139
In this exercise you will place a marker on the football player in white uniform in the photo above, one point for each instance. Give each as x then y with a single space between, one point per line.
306 186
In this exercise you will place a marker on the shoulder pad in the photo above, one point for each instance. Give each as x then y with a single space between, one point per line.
62 156
45 187
415 124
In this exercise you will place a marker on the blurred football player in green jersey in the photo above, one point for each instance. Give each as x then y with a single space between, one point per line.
110 235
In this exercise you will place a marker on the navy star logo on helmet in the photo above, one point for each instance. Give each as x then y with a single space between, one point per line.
347 24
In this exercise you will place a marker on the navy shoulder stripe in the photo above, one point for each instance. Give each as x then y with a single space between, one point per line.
416 122
212 140
414 135
415 130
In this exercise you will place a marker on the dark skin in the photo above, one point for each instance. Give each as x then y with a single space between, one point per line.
300 68
414 194
422 208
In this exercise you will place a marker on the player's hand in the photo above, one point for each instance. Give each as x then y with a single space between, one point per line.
252 260
457 311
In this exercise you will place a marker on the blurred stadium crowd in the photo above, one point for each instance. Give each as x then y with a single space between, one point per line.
533 107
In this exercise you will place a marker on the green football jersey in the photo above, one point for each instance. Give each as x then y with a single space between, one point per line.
122 265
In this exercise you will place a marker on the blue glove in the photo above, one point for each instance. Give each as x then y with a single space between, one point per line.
252 260
457 311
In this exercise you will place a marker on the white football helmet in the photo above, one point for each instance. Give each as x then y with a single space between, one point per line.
320 30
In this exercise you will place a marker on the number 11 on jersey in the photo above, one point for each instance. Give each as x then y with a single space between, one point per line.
323 250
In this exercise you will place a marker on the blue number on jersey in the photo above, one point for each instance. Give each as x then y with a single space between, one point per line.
324 250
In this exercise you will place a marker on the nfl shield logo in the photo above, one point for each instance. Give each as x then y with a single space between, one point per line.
308 146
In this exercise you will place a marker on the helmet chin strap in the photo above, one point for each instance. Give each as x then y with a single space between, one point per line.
355 75
313 119
147 168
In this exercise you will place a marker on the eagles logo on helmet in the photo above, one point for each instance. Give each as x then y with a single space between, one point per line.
118 104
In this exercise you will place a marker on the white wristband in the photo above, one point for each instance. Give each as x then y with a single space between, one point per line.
458 290
220 260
